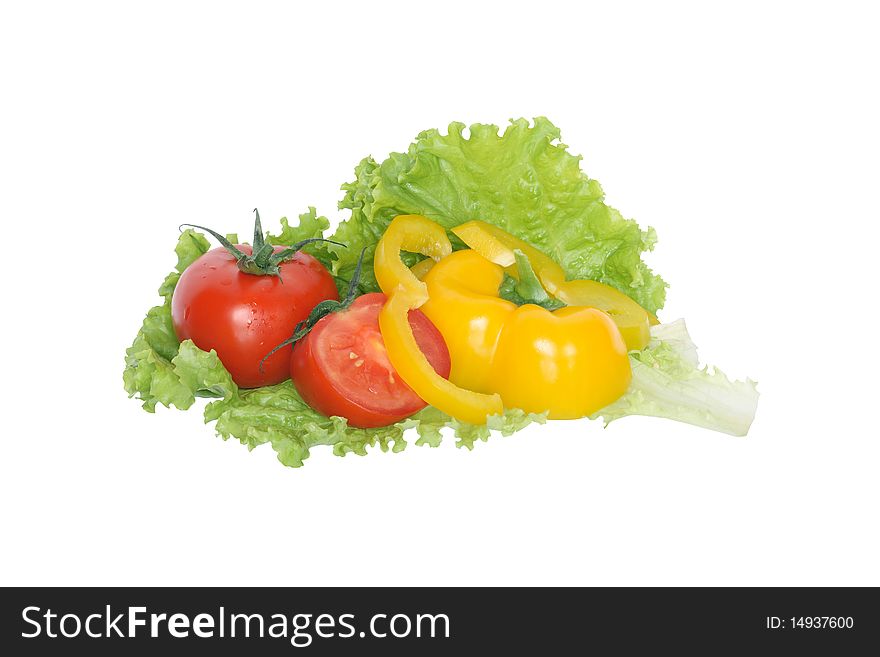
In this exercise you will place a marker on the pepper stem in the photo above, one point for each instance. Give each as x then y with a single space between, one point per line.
527 287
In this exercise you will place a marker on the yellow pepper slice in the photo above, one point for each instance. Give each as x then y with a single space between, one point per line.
406 292
408 232
497 245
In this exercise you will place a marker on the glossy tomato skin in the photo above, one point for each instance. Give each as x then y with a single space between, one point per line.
341 367
243 316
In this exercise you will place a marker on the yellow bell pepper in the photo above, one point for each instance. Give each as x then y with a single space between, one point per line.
406 292
498 246
570 362
464 305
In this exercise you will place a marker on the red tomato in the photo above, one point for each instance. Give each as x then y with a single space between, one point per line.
244 316
341 367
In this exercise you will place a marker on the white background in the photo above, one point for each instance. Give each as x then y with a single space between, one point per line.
747 136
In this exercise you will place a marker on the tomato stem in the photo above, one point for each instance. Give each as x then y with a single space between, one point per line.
258 232
355 280
263 260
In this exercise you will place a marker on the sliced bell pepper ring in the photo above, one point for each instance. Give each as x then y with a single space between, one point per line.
406 292
498 246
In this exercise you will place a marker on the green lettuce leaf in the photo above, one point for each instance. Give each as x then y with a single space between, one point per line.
668 382
277 415
149 373
310 225
508 423
524 181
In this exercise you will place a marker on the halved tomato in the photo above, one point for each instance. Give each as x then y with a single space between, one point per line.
341 367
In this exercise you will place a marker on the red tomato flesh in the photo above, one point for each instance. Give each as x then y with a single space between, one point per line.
244 316
341 367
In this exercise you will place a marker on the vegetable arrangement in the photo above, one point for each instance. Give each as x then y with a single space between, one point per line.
481 283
